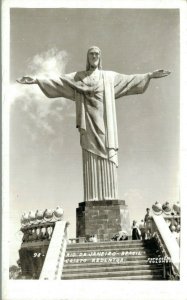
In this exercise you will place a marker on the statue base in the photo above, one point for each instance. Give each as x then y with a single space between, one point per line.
102 218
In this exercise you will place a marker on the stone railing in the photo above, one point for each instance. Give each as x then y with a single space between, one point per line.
165 259
54 261
43 242
166 208
168 247
39 225
41 217
61 255
82 240
37 232
76 240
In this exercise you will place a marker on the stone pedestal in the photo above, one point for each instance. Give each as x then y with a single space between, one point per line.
103 218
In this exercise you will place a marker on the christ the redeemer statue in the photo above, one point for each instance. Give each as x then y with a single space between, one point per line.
94 92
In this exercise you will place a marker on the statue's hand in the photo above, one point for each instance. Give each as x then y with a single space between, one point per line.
159 74
26 80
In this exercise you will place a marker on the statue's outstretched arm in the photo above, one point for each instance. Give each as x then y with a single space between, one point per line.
52 88
159 73
135 84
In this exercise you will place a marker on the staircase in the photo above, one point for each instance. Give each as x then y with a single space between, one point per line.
125 260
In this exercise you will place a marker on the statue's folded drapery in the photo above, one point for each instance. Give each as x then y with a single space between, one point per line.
96 121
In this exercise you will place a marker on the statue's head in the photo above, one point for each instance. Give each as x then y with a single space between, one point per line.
93 58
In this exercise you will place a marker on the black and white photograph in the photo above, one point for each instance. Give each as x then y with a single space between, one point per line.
92 193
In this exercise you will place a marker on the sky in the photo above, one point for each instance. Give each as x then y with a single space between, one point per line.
45 154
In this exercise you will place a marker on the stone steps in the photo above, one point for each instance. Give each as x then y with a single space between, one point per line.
109 260
129 241
108 253
106 274
134 277
114 248
111 268
107 244
125 260
127 263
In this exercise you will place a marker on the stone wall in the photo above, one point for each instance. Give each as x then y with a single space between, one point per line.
103 218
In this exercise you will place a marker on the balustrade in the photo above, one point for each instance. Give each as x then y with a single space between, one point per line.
39 225
37 232
167 245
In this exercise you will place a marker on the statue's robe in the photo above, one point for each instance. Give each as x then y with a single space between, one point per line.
96 121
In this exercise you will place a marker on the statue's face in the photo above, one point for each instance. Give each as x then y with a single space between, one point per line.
94 57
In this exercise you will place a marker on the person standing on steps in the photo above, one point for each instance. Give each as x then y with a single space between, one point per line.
142 229
136 234
147 223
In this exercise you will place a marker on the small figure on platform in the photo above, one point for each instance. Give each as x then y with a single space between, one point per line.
120 236
93 238
142 230
173 231
176 232
135 231
147 223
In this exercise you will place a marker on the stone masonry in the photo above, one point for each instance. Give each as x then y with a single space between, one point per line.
103 218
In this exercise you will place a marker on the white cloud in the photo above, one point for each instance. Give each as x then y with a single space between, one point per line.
50 63
42 115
